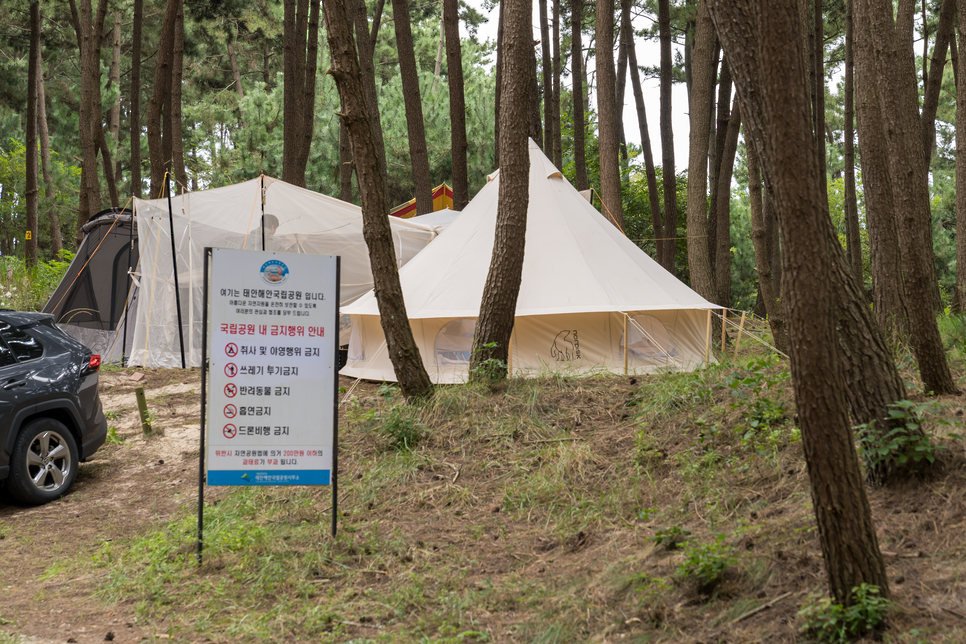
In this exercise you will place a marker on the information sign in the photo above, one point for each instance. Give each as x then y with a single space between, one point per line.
272 353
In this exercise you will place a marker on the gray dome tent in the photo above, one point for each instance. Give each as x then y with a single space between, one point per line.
92 301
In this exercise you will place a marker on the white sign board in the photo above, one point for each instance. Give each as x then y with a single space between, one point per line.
272 347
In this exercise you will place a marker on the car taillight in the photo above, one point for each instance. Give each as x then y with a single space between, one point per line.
95 362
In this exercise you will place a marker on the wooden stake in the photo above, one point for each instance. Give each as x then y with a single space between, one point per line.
143 410
724 329
741 327
625 344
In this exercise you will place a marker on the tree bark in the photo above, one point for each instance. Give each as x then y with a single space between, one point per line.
376 23
308 88
536 127
345 162
766 284
621 77
818 92
366 44
894 68
497 88
457 103
610 174
763 42
668 235
406 361
32 169
577 73
134 115
494 326
702 84
175 120
418 153
719 131
853 238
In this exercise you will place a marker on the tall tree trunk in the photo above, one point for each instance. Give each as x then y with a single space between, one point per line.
763 42
32 170
497 89
457 103
702 85
555 112
667 246
494 326
933 82
547 68
960 65
719 131
726 167
818 92
114 114
160 162
135 113
536 127
308 88
406 361
853 238
894 66
366 42
295 21
621 77
766 284
577 73
56 237
654 199
175 120
418 153
610 174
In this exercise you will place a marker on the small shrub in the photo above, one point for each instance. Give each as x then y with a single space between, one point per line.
706 564
398 425
905 445
490 370
112 436
837 624
671 537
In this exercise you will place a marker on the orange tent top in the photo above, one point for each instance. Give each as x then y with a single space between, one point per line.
442 198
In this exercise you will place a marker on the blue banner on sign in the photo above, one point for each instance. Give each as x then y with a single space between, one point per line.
269 477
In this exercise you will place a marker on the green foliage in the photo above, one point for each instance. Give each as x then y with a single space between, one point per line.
398 423
28 289
671 538
706 564
905 444
760 414
112 436
838 624
489 370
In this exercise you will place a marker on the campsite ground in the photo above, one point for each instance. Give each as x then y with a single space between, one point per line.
537 512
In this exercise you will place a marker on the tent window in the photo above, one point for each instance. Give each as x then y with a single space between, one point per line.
649 340
454 342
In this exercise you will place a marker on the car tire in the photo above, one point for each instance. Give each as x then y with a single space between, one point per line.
44 462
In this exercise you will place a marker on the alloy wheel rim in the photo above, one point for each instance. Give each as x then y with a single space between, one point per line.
49 461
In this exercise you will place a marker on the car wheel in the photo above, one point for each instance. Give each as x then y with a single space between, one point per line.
44 462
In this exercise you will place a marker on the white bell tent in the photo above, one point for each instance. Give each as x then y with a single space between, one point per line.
230 217
587 293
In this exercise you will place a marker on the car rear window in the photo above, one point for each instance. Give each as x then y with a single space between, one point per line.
24 346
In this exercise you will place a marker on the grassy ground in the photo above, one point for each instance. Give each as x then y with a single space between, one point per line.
667 508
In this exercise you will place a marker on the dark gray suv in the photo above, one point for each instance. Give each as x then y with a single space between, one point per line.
51 417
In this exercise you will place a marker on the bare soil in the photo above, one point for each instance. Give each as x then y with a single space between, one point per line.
458 503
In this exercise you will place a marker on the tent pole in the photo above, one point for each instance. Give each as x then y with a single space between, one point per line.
509 357
191 272
741 328
174 260
707 340
625 344
261 179
130 288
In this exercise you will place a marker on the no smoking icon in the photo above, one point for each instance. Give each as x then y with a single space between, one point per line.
230 411
231 389
229 431
231 370
231 350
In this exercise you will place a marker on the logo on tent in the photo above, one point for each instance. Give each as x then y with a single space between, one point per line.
274 272
565 346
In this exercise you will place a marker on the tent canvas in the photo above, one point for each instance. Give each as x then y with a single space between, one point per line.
91 301
230 217
584 287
